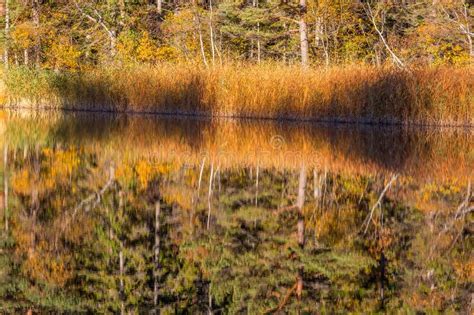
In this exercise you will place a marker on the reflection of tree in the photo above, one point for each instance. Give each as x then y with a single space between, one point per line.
143 243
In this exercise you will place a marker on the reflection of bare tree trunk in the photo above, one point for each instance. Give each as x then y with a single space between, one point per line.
317 182
34 193
198 193
121 259
256 187
209 197
200 176
299 285
301 237
300 203
382 264
122 291
156 254
209 302
5 185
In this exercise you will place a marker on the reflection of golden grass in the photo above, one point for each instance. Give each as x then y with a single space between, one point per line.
435 156
357 92
424 154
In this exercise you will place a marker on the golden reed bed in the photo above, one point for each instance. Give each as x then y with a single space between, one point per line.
356 93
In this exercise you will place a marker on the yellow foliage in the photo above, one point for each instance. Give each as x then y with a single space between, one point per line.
146 50
44 265
24 35
62 164
167 53
180 29
465 270
21 182
178 195
64 56
144 171
124 172
126 46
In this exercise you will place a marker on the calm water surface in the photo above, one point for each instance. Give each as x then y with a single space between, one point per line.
137 214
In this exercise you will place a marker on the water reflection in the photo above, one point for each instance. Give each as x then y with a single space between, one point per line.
135 214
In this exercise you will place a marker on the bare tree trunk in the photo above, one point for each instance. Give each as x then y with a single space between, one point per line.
201 41
303 35
372 17
98 19
211 33
5 185
156 254
123 13
7 34
36 22
159 6
259 46
26 58
320 39
463 20
467 29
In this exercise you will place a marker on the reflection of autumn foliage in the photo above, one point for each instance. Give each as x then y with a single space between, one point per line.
249 253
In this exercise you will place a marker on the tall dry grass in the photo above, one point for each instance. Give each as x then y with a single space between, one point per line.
360 93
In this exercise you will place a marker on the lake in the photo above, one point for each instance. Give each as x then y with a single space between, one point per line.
106 213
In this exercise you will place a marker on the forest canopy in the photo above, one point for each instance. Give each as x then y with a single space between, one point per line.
71 35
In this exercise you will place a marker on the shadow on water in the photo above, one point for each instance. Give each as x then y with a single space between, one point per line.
413 151
82 128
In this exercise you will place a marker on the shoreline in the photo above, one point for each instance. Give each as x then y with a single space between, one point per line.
336 121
